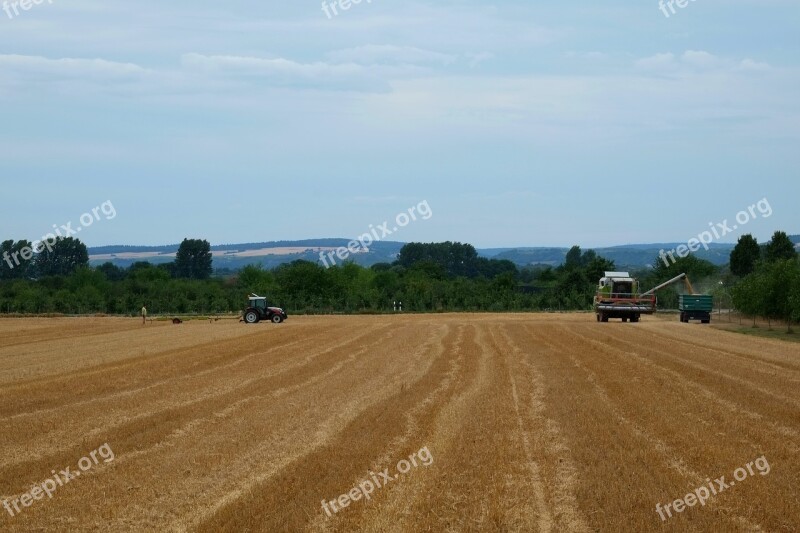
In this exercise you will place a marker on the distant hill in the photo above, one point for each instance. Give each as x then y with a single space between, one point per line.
274 253
235 256
627 256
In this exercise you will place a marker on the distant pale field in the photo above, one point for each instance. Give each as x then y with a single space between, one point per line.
541 422
286 250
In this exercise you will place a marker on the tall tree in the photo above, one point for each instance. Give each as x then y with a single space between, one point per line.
780 247
573 259
744 255
16 259
750 295
455 258
63 258
193 260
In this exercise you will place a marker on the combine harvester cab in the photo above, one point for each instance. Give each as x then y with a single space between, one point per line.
618 297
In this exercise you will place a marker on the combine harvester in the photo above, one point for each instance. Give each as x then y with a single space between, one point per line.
618 297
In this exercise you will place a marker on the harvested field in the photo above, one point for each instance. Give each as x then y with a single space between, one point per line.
532 423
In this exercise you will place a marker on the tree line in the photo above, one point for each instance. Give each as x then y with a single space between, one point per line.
769 278
762 279
425 278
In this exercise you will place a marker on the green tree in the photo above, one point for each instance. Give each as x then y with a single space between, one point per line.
112 272
780 248
63 258
193 260
780 276
750 295
455 258
745 255
596 267
16 259
573 259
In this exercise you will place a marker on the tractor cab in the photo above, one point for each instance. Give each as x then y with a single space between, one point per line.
259 302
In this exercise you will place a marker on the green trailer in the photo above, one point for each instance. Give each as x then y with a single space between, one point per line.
696 307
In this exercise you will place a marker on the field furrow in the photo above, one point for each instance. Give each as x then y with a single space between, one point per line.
448 423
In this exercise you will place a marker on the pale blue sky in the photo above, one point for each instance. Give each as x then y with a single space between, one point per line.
521 123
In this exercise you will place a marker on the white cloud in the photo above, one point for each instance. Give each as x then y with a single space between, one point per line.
70 68
700 59
749 64
696 61
657 62
286 73
376 54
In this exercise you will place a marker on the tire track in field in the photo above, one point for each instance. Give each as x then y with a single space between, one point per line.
49 391
277 504
695 349
413 367
610 449
145 430
559 466
138 377
48 334
155 403
36 363
754 362
481 476
734 405
674 459
721 341
545 518
252 467
164 489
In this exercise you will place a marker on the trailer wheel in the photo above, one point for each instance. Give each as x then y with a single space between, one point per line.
635 318
603 317
598 317
624 319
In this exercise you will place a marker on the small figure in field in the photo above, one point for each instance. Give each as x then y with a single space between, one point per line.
144 314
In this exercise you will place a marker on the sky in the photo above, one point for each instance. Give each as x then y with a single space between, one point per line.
519 123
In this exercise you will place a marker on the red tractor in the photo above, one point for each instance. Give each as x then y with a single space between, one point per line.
258 309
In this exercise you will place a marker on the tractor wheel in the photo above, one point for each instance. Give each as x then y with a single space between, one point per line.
251 317
277 319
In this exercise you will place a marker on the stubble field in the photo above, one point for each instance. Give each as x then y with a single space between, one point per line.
548 422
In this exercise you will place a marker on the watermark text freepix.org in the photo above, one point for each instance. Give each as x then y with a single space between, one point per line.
702 494
344 5
718 231
47 487
362 243
65 230
664 4
381 479
25 5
